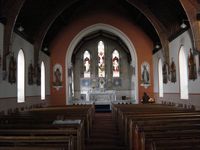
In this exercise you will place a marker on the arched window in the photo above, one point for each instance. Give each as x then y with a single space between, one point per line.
115 63
183 74
101 57
20 77
86 60
160 78
42 81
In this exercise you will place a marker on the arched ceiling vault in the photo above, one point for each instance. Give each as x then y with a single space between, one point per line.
43 19
192 9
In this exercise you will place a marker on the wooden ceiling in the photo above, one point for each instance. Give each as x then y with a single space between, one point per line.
43 19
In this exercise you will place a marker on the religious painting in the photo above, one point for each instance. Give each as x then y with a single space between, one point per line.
145 74
12 70
173 71
165 73
30 74
192 70
57 76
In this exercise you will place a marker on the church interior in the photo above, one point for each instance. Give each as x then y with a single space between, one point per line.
99 75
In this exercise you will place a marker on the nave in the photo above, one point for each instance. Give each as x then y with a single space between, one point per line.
79 127
104 134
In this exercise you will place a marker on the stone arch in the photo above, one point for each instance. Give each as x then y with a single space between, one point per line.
115 31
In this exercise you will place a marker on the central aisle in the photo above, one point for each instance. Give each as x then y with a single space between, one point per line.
104 134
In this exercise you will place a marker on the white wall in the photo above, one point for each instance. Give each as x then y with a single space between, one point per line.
173 88
1 52
10 90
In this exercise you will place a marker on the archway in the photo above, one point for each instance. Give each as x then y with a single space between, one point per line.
122 36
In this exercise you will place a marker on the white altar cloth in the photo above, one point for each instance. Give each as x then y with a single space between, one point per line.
102 97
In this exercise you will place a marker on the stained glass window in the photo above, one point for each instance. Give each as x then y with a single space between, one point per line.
101 59
86 59
115 63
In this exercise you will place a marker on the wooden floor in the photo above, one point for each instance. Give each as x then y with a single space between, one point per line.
104 134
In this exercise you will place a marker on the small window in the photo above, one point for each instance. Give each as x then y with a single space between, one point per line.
183 74
160 78
86 60
20 77
115 63
42 81
101 57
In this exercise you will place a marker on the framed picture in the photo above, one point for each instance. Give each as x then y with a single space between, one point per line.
145 74
57 75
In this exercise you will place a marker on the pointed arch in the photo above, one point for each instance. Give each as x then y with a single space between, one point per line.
109 28
160 77
20 77
43 81
115 64
183 74
87 64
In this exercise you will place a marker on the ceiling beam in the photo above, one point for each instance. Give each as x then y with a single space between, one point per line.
11 9
158 26
192 8
40 35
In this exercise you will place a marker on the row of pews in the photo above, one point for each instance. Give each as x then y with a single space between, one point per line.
51 128
157 127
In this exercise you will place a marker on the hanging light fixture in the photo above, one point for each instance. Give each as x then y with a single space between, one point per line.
20 28
183 25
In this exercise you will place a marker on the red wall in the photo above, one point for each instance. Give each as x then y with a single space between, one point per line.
140 40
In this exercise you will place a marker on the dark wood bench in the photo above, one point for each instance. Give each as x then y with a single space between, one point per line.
133 119
72 131
42 123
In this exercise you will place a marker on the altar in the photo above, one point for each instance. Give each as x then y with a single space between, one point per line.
102 97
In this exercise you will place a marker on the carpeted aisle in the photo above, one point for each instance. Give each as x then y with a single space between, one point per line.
104 135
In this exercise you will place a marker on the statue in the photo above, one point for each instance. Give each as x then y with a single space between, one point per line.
145 75
12 70
57 75
192 66
173 71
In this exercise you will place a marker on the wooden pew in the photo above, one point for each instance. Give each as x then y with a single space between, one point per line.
171 144
126 112
28 123
48 115
128 116
72 132
147 134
